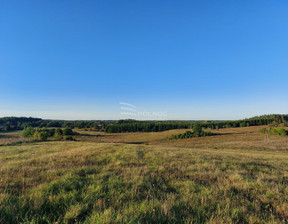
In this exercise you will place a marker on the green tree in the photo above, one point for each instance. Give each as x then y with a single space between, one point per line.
197 128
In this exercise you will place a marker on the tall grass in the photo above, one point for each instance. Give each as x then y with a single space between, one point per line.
86 182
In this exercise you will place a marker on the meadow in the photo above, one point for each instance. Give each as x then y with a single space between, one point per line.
237 175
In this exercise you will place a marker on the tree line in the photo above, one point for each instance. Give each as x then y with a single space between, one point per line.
156 126
19 123
110 126
254 121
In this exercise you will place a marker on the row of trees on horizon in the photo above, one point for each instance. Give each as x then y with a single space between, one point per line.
156 126
19 123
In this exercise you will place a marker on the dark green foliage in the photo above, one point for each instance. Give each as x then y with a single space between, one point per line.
197 132
254 121
189 134
19 123
197 129
69 138
243 124
155 126
146 126
67 131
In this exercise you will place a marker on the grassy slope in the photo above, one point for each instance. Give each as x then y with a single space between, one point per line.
240 176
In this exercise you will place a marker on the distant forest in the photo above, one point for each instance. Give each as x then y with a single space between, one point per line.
155 126
19 123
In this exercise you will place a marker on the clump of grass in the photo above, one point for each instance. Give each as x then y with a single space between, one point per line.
140 153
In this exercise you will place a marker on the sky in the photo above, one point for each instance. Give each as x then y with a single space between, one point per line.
175 60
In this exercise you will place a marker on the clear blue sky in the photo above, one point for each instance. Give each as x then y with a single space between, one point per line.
189 59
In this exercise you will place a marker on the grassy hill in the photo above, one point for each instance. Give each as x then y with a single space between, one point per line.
236 176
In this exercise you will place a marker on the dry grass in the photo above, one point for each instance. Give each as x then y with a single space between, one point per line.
10 138
239 176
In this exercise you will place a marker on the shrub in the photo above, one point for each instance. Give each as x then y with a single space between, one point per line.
280 131
69 138
28 132
41 135
67 131
204 133
58 133
189 134
36 133
273 131
263 131
51 132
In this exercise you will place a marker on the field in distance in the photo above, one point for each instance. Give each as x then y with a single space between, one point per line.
235 176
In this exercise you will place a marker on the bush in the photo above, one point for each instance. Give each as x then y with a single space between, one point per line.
69 138
51 132
204 133
263 131
282 131
44 134
67 131
41 135
38 133
274 131
189 134
58 133
28 132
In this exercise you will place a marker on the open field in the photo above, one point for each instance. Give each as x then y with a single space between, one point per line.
235 176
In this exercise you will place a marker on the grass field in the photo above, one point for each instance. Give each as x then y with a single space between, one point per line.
235 176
